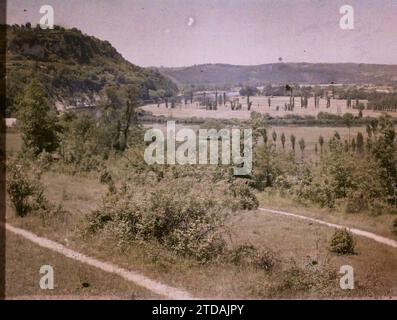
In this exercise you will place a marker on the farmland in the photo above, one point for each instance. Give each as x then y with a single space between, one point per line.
259 104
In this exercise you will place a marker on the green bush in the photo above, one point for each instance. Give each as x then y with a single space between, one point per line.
242 254
355 202
247 254
342 242
243 196
265 260
342 177
184 214
26 194
295 279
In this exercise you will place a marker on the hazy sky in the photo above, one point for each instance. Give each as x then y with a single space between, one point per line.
186 32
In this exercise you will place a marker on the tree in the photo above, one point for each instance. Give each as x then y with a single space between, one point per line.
274 136
292 139
384 151
346 146
119 117
129 118
348 120
264 135
37 120
302 145
291 100
248 91
360 143
283 140
354 145
321 143
369 131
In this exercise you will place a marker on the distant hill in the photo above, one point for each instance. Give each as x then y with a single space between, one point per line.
281 73
73 67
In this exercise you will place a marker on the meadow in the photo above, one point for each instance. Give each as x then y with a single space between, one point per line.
83 182
301 266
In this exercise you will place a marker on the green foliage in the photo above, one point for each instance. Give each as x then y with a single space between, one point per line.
342 242
248 255
26 194
258 125
344 175
182 210
37 121
295 279
383 149
71 65
88 140
242 195
360 143
266 168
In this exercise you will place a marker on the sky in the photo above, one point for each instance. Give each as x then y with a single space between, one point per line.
244 32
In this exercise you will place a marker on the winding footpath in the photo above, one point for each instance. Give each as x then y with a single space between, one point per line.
362 233
155 286
131 276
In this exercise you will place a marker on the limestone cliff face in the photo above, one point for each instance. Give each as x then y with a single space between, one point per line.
74 68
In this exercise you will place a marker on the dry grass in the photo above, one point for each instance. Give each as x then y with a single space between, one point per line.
72 280
13 142
380 224
375 265
292 240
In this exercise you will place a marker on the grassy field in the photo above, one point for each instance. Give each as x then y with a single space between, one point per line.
297 245
72 280
375 265
13 142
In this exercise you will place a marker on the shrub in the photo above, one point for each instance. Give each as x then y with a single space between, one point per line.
105 177
247 254
342 242
343 176
243 196
242 254
185 215
25 194
355 202
265 260
379 206
44 160
295 279
200 239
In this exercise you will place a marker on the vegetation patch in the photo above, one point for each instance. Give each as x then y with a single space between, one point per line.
342 242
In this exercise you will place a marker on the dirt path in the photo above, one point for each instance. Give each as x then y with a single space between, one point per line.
152 285
155 286
366 234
